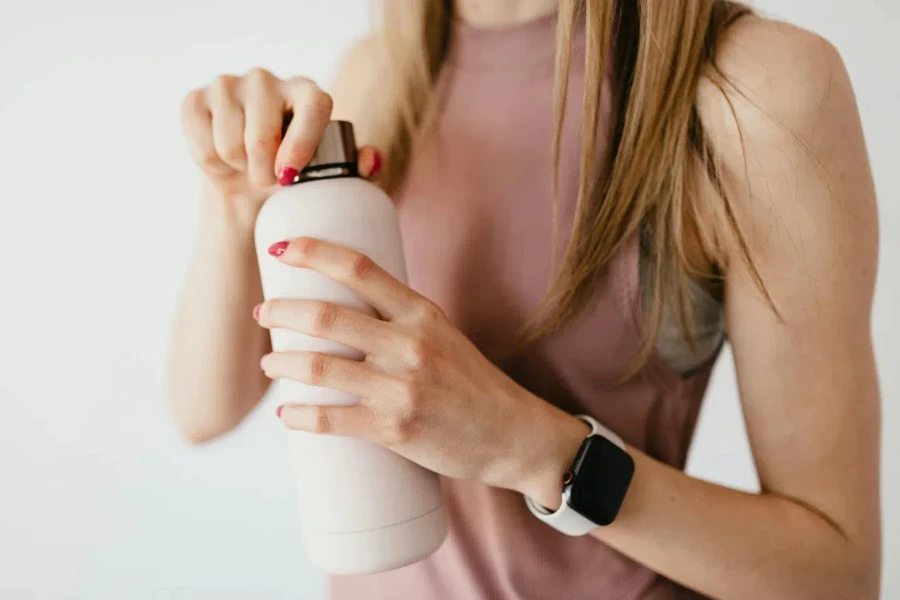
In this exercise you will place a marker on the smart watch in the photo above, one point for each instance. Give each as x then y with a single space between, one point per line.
594 486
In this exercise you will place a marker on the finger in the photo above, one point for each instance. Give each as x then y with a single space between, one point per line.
353 421
263 110
311 108
370 162
325 370
391 298
228 121
196 121
328 321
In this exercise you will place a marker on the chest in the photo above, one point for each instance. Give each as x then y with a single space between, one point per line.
477 217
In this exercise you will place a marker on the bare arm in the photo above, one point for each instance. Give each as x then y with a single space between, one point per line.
214 376
807 382
234 129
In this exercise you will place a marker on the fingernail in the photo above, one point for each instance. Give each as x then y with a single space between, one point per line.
376 163
256 311
287 176
278 248
278 411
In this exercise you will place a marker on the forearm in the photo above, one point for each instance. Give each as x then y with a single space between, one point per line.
214 374
729 544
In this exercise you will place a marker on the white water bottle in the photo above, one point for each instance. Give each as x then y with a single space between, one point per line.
363 508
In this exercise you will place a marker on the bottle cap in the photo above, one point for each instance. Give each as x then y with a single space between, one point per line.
335 155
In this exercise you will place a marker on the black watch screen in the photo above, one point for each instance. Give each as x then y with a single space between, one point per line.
599 478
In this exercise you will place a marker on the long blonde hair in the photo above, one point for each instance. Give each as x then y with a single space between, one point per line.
659 158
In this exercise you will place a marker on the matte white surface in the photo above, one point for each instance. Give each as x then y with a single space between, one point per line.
347 489
99 498
381 549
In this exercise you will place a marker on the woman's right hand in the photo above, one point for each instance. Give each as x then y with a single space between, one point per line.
234 130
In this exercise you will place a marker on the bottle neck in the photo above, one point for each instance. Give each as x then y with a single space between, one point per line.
328 171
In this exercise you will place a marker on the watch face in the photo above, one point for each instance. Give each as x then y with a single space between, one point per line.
602 472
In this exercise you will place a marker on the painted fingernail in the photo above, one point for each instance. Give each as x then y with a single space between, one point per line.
256 311
278 411
376 164
287 176
278 248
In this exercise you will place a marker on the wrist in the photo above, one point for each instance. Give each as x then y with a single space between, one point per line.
555 450
231 215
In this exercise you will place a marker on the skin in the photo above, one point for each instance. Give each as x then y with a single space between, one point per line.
233 127
807 376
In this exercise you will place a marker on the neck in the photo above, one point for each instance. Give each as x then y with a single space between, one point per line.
501 13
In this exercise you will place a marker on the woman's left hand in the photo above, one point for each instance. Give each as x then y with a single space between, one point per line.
426 391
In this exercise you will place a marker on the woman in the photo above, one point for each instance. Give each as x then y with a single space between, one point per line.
708 174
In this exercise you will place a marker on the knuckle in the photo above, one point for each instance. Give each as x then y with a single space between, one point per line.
270 311
361 267
322 101
224 83
316 101
420 352
304 248
317 369
259 77
208 159
223 88
406 397
321 420
299 83
400 428
429 311
324 316
193 102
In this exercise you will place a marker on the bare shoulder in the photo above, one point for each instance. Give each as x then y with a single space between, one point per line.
784 122
787 70
356 84
780 82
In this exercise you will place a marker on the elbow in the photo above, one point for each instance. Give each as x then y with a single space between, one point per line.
196 430
858 568
197 435
854 574
861 575
202 412
195 424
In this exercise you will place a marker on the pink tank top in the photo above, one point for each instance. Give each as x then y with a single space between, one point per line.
476 216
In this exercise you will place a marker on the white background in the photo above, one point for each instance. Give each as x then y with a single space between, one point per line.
99 498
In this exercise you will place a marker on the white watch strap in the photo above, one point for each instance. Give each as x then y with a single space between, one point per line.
566 519
598 428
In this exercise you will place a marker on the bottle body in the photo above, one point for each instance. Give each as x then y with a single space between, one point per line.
363 508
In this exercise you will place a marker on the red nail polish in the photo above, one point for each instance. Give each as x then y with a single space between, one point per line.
256 311
376 164
278 411
287 176
278 248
